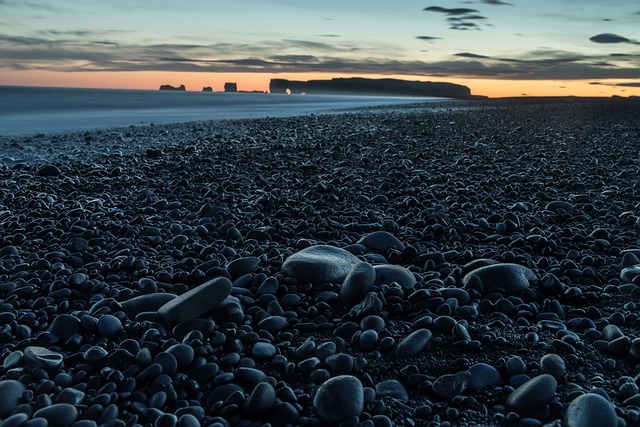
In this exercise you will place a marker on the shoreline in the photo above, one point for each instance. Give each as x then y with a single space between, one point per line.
93 219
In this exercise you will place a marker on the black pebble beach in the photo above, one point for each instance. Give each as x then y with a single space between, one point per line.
192 275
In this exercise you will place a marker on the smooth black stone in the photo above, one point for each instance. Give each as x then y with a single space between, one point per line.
590 410
511 278
451 385
108 325
339 398
553 364
483 375
11 392
196 302
533 394
64 326
357 283
42 357
144 303
414 344
241 266
381 241
320 264
261 399
387 274
393 389
183 353
58 414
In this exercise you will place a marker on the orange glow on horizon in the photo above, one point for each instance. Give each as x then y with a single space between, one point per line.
151 80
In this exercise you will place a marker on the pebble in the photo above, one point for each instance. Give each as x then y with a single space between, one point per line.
58 414
483 375
11 392
533 394
553 364
393 389
357 283
387 274
451 385
261 399
381 241
42 357
414 344
339 398
148 302
263 350
511 278
590 410
320 264
241 266
109 325
64 326
196 302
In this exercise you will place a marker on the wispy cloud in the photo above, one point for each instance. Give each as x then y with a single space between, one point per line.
428 38
625 84
459 18
497 3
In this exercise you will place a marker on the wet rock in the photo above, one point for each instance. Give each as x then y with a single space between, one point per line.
11 392
357 283
381 241
533 394
451 385
387 274
512 279
414 344
339 398
320 264
590 410
58 414
42 357
196 302
483 375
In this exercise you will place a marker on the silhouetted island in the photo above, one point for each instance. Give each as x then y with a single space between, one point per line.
169 87
230 87
363 86
207 89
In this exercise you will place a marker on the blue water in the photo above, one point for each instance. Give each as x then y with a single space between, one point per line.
30 110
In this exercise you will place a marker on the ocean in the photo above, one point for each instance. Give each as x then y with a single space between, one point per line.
32 110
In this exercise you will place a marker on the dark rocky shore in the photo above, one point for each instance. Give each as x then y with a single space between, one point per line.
469 263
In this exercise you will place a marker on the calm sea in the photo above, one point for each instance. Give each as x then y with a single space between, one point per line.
29 110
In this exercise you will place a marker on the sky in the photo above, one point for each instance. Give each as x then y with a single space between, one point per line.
496 47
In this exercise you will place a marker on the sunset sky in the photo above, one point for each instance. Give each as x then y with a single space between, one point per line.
496 47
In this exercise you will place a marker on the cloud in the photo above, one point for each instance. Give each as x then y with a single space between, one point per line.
626 84
298 56
459 18
609 38
455 11
497 3
471 55
428 38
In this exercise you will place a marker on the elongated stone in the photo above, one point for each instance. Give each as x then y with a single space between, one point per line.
196 302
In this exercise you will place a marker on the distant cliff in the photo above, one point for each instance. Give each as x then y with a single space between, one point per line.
362 86
169 87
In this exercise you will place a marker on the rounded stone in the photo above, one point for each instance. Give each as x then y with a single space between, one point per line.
381 241
483 375
261 399
196 302
241 266
263 350
11 392
553 364
320 264
393 389
339 398
42 357
629 274
590 410
64 326
451 385
386 274
414 343
533 394
511 278
148 302
357 283
109 325
58 414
